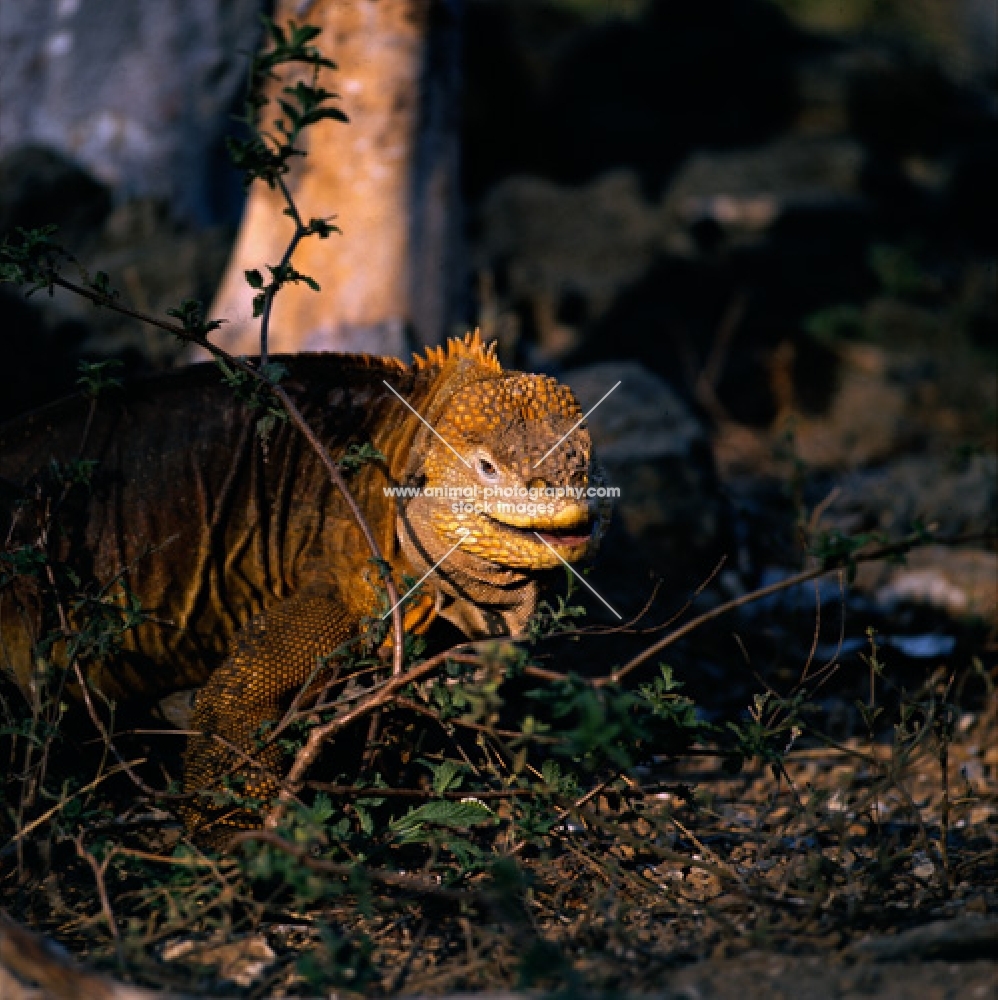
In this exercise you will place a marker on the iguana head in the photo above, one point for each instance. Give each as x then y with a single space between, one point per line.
507 475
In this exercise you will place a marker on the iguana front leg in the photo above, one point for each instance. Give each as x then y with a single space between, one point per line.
273 657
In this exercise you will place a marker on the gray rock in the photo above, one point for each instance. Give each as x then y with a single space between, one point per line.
39 187
965 937
591 240
138 93
745 192
960 582
642 419
657 453
954 497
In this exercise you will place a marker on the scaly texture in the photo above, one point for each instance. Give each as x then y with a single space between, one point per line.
247 556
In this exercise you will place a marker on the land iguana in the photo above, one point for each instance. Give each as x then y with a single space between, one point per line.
245 554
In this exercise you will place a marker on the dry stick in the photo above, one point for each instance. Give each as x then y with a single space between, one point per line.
415 793
296 418
628 626
99 868
244 758
479 727
102 729
890 775
412 883
896 548
59 806
403 970
307 754
705 383
565 813
32 958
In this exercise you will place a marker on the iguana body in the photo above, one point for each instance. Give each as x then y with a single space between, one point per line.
247 556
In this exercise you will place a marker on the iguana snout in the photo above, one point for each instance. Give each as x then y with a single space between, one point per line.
508 477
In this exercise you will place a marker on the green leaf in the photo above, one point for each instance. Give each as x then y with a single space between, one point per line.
454 815
95 376
447 776
273 371
551 772
319 114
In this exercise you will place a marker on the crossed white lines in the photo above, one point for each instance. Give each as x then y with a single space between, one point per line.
569 431
429 427
463 532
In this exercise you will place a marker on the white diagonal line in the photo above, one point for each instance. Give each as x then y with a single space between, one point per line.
580 578
418 414
425 575
558 442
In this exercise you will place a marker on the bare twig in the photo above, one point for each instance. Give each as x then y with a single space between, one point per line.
99 868
352 791
33 959
705 383
62 803
830 566
301 231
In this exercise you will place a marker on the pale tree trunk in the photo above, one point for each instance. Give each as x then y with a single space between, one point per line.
392 280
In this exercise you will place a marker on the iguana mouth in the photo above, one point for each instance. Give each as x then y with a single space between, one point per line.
566 538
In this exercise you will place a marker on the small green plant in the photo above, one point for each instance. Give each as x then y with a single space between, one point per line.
835 324
897 269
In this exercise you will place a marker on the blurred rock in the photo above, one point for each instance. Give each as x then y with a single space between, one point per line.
155 262
900 104
139 94
566 253
960 939
39 187
955 497
961 34
242 961
757 975
152 260
670 509
738 196
865 422
40 354
962 583
569 90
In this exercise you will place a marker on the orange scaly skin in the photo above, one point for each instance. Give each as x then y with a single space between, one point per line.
249 560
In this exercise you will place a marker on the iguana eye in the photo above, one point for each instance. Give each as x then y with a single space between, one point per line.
486 469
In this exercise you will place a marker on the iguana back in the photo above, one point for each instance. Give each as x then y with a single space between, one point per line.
192 513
